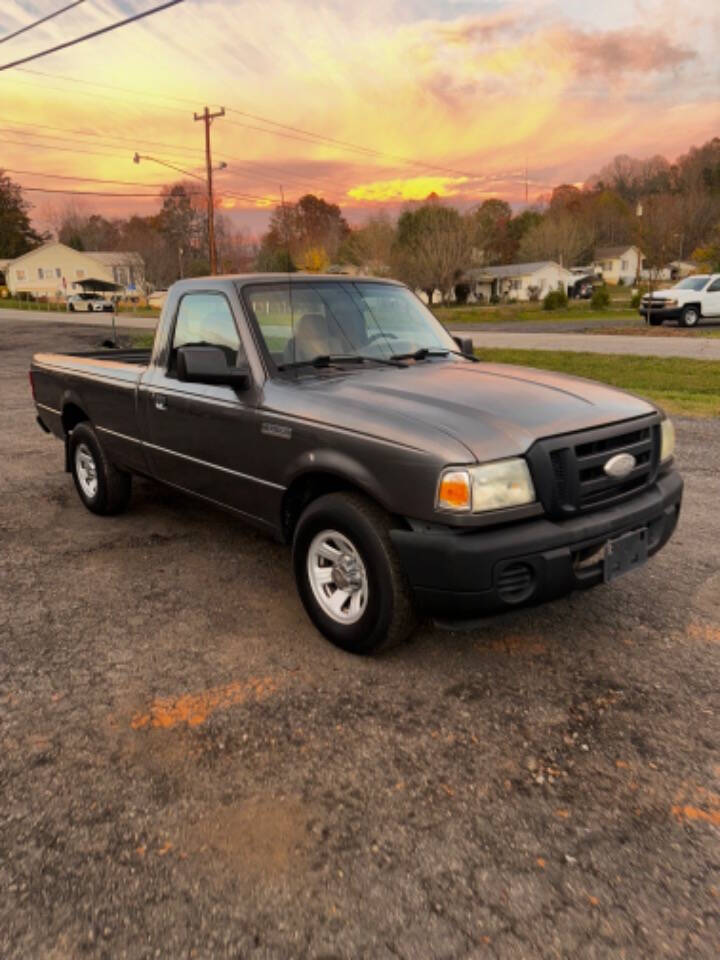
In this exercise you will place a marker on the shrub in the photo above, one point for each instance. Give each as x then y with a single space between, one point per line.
635 300
555 300
600 298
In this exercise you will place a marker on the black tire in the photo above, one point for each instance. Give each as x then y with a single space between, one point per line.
690 317
113 487
389 615
71 307
655 321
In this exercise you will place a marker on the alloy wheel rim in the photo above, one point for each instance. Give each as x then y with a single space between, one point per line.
338 578
86 470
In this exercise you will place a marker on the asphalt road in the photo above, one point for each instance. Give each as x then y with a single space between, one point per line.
188 770
697 348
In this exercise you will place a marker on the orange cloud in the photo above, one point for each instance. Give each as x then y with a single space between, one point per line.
413 188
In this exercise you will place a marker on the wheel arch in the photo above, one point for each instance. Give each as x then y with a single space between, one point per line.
73 413
320 478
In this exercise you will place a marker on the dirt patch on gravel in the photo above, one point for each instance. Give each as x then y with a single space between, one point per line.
261 839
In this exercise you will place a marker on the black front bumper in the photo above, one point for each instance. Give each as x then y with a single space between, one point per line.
660 313
460 574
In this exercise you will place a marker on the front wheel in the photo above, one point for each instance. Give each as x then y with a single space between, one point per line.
102 487
348 575
655 321
690 317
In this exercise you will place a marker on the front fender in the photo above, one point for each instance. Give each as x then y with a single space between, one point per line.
340 465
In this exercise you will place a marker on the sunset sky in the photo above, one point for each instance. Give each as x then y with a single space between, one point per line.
423 95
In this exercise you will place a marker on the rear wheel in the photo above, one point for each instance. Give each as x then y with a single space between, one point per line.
71 307
655 321
348 575
102 487
690 317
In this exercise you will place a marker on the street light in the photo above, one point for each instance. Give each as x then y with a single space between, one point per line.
163 163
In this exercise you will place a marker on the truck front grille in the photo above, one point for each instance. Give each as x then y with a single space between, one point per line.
569 471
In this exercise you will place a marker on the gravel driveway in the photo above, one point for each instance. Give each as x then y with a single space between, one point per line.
189 771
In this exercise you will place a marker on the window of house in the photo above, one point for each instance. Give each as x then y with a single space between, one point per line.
205 319
58 272
516 283
20 274
623 265
40 273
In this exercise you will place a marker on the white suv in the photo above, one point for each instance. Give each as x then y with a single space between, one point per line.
688 301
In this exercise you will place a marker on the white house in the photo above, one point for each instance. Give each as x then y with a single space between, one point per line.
55 270
618 264
517 281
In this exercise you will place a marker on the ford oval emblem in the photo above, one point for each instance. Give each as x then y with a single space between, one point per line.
620 465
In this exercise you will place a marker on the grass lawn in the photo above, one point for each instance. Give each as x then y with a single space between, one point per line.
690 387
645 331
53 307
530 313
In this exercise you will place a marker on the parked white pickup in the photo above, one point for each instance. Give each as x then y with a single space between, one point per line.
687 302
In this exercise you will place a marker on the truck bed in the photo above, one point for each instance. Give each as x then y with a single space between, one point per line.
138 356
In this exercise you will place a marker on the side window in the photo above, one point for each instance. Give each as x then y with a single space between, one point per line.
714 286
205 319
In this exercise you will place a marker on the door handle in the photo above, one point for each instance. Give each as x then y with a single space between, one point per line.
160 401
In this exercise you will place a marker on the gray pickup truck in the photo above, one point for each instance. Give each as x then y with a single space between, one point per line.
340 416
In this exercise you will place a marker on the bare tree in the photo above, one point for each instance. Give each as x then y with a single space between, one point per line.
433 247
562 237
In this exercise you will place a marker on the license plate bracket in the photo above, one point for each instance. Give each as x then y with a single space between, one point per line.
625 553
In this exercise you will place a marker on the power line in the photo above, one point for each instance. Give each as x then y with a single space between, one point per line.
99 193
154 143
89 36
64 176
36 23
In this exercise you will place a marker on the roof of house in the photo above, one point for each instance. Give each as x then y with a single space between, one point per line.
112 258
513 269
612 253
109 258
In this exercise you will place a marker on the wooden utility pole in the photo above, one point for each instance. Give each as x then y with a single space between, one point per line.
208 118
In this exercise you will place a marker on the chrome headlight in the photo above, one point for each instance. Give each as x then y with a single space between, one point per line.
491 486
667 440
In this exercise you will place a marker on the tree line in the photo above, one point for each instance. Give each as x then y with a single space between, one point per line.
671 211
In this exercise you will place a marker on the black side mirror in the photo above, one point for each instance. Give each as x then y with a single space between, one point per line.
465 345
209 365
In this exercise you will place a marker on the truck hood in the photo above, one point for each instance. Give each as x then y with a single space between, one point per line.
493 410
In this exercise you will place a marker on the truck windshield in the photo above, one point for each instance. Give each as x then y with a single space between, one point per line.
692 283
300 321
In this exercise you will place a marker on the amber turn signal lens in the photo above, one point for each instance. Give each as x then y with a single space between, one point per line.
455 490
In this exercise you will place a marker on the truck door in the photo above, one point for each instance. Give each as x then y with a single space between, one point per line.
711 299
201 438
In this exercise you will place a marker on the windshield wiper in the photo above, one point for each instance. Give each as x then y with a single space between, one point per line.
424 352
330 359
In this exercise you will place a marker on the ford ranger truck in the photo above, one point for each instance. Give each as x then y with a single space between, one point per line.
339 416
688 302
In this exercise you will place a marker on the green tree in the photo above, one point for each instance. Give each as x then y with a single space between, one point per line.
490 225
296 228
17 235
